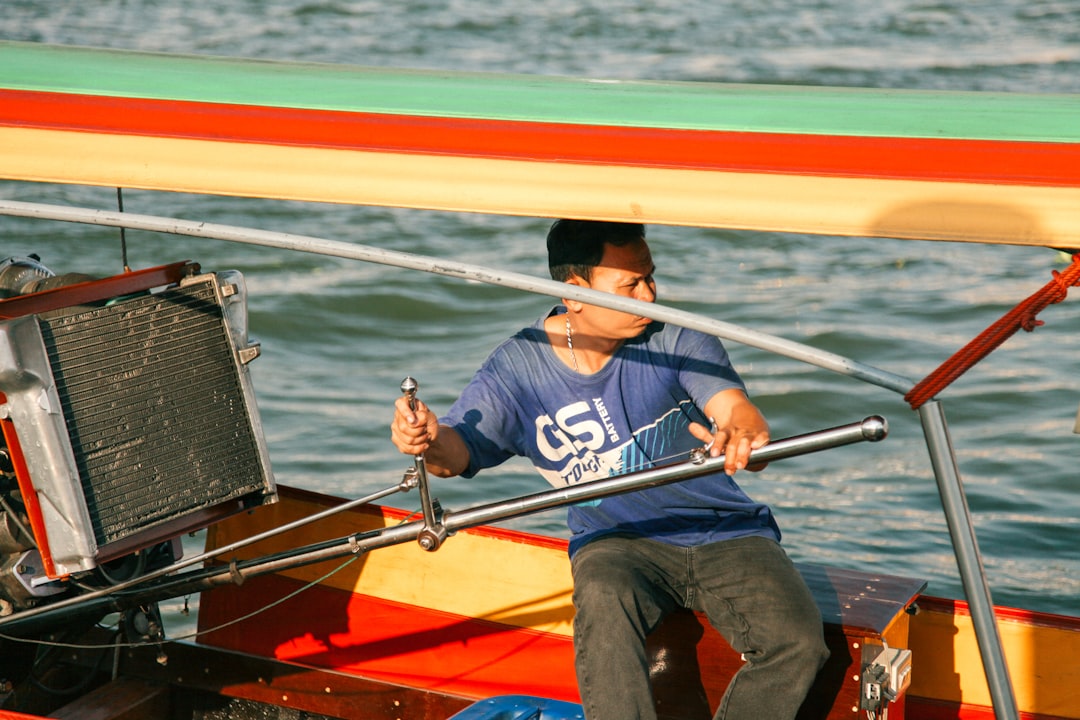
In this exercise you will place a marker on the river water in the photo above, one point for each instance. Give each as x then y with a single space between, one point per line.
338 336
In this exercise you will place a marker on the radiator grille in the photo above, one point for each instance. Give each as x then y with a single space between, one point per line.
154 405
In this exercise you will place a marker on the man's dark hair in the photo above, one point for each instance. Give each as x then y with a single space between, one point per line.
575 247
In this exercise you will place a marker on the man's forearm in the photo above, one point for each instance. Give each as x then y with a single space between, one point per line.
447 456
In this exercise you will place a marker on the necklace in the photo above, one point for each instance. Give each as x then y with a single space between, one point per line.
570 344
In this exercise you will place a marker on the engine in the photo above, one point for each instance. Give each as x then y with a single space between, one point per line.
128 419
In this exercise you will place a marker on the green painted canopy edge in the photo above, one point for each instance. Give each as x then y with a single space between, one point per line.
535 98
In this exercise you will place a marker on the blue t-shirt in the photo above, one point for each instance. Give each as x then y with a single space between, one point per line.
632 415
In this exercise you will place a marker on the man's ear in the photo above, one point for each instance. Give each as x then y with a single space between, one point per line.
574 305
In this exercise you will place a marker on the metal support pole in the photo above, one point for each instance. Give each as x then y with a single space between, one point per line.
966 548
465 271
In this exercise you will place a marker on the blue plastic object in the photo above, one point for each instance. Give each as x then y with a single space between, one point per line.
520 707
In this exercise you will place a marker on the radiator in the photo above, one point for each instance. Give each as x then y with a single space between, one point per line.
133 416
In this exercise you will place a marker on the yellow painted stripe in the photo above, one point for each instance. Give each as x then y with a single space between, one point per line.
786 203
472 575
1042 662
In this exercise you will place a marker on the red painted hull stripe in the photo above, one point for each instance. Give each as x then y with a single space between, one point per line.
947 160
390 642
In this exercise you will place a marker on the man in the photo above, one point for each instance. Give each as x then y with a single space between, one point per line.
589 392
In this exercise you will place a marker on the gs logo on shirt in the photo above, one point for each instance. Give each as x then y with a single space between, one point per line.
573 441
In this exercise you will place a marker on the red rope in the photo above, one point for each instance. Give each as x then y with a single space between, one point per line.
1021 316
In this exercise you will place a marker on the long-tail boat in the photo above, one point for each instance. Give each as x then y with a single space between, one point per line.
344 609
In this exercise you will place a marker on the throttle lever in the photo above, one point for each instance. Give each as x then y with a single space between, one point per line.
433 533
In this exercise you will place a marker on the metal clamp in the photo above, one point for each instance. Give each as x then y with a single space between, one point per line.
701 454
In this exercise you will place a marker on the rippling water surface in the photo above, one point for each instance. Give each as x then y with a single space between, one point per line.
338 336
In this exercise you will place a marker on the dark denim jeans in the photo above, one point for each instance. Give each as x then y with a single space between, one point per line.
748 588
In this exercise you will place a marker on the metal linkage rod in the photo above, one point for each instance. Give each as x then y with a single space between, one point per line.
870 429
86 598
43 619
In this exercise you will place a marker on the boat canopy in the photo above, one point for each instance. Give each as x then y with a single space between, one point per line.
956 166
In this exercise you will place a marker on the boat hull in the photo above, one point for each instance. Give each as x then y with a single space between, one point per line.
402 632
490 614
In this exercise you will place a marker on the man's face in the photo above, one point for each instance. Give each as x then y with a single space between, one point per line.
626 271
